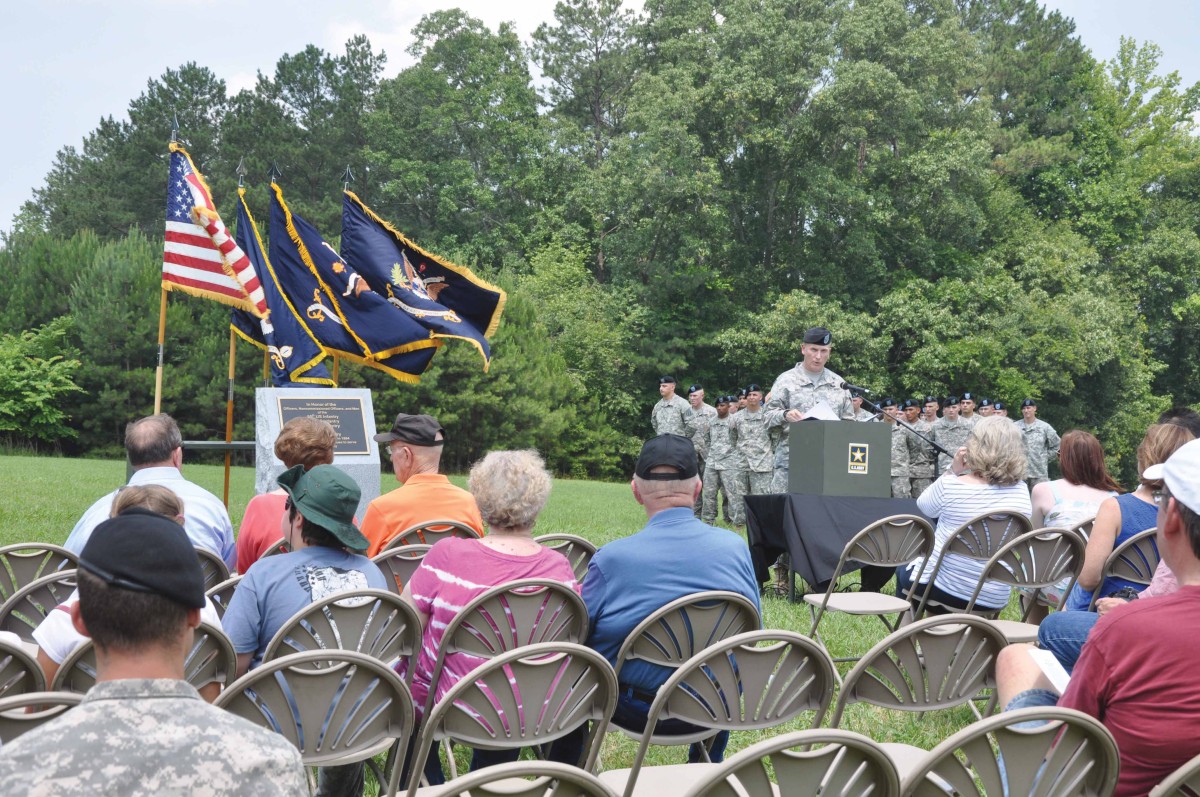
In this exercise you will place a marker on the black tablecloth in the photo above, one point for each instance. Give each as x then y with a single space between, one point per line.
814 529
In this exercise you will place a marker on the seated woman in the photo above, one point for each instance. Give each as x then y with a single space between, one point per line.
56 635
511 488
302 441
1085 484
1122 517
985 476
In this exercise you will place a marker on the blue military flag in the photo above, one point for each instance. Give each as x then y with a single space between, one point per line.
296 356
338 306
448 300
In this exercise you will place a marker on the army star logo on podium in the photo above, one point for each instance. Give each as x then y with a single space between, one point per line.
859 457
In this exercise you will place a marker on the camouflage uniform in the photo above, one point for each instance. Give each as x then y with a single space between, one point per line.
863 414
796 389
700 419
754 443
1041 444
900 478
921 458
950 435
725 467
672 416
150 737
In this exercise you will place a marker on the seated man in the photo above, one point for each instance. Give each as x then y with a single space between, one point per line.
1136 673
674 555
319 528
414 445
142 730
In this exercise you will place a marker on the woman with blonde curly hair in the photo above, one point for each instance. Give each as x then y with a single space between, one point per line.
511 488
985 476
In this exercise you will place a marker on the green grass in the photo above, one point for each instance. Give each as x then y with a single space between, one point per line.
45 496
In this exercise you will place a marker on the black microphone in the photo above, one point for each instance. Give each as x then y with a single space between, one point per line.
848 386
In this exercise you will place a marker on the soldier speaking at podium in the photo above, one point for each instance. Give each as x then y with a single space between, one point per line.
798 391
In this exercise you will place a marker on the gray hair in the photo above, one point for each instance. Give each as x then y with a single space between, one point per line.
151 440
510 487
996 452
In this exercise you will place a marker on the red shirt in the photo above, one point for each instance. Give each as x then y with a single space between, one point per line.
1138 675
260 528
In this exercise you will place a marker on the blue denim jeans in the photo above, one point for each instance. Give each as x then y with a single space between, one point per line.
1063 634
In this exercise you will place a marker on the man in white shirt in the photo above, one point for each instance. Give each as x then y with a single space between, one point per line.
154 446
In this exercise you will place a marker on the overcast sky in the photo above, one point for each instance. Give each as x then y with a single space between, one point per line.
67 63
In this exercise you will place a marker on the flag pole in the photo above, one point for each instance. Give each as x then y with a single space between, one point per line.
162 334
229 411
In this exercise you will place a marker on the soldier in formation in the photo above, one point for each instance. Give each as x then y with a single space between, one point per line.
701 415
725 468
901 487
672 414
950 432
754 443
1041 443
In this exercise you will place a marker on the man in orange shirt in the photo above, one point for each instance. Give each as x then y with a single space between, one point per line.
414 445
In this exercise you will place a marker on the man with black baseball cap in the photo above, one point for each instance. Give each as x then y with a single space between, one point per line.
414 445
142 729
672 556
797 391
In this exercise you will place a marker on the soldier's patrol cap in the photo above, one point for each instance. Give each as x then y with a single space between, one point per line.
888 402
144 551
949 401
671 450
417 430
968 396
910 403
818 335
931 400
985 402
998 405
1028 403
695 388
753 388
666 380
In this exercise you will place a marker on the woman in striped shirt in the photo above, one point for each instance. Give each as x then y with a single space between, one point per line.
985 476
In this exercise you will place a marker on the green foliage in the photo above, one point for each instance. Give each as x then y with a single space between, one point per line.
37 373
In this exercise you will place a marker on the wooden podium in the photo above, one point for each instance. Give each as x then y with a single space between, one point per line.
840 458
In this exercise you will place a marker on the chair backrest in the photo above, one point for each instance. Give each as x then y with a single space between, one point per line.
1084 528
400 563
19 671
1134 560
28 606
213 567
431 531
1183 782
978 538
508 616
687 625
211 659
1071 754
375 622
24 712
221 593
738 683
804 764
889 542
550 779
25 562
279 546
933 663
523 698
332 714
579 551
1035 560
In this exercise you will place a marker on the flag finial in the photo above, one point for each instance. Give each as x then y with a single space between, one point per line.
241 171
347 178
274 174
174 127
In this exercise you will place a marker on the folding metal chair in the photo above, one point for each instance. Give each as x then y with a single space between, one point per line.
978 538
431 531
579 552
1134 560
400 563
1183 782
221 593
28 710
511 780
28 606
213 567
19 670
26 562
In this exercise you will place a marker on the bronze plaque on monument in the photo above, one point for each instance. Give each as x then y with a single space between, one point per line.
345 415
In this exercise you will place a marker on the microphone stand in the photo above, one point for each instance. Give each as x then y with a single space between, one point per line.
873 407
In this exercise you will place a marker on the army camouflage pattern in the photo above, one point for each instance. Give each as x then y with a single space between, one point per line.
720 441
863 414
733 482
900 485
950 435
922 459
796 389
1041 445
150 737
753 440
701 418
672 417
760 483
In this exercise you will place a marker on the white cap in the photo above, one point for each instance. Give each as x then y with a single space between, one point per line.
1181 474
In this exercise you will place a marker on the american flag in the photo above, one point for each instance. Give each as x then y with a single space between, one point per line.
198 256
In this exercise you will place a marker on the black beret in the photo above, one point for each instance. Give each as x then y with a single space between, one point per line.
722 399
1028 403
985 402
666 380
694 389
999 405
144 551
949 401
910 403
672 450
931 400
968 396
888 402
819 336
754 388
742 393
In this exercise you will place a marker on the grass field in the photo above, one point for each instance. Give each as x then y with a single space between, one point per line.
45 496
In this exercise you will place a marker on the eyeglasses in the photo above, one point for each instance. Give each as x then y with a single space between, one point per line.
1157 495
287 505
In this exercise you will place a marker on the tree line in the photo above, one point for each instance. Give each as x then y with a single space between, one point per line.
956 188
